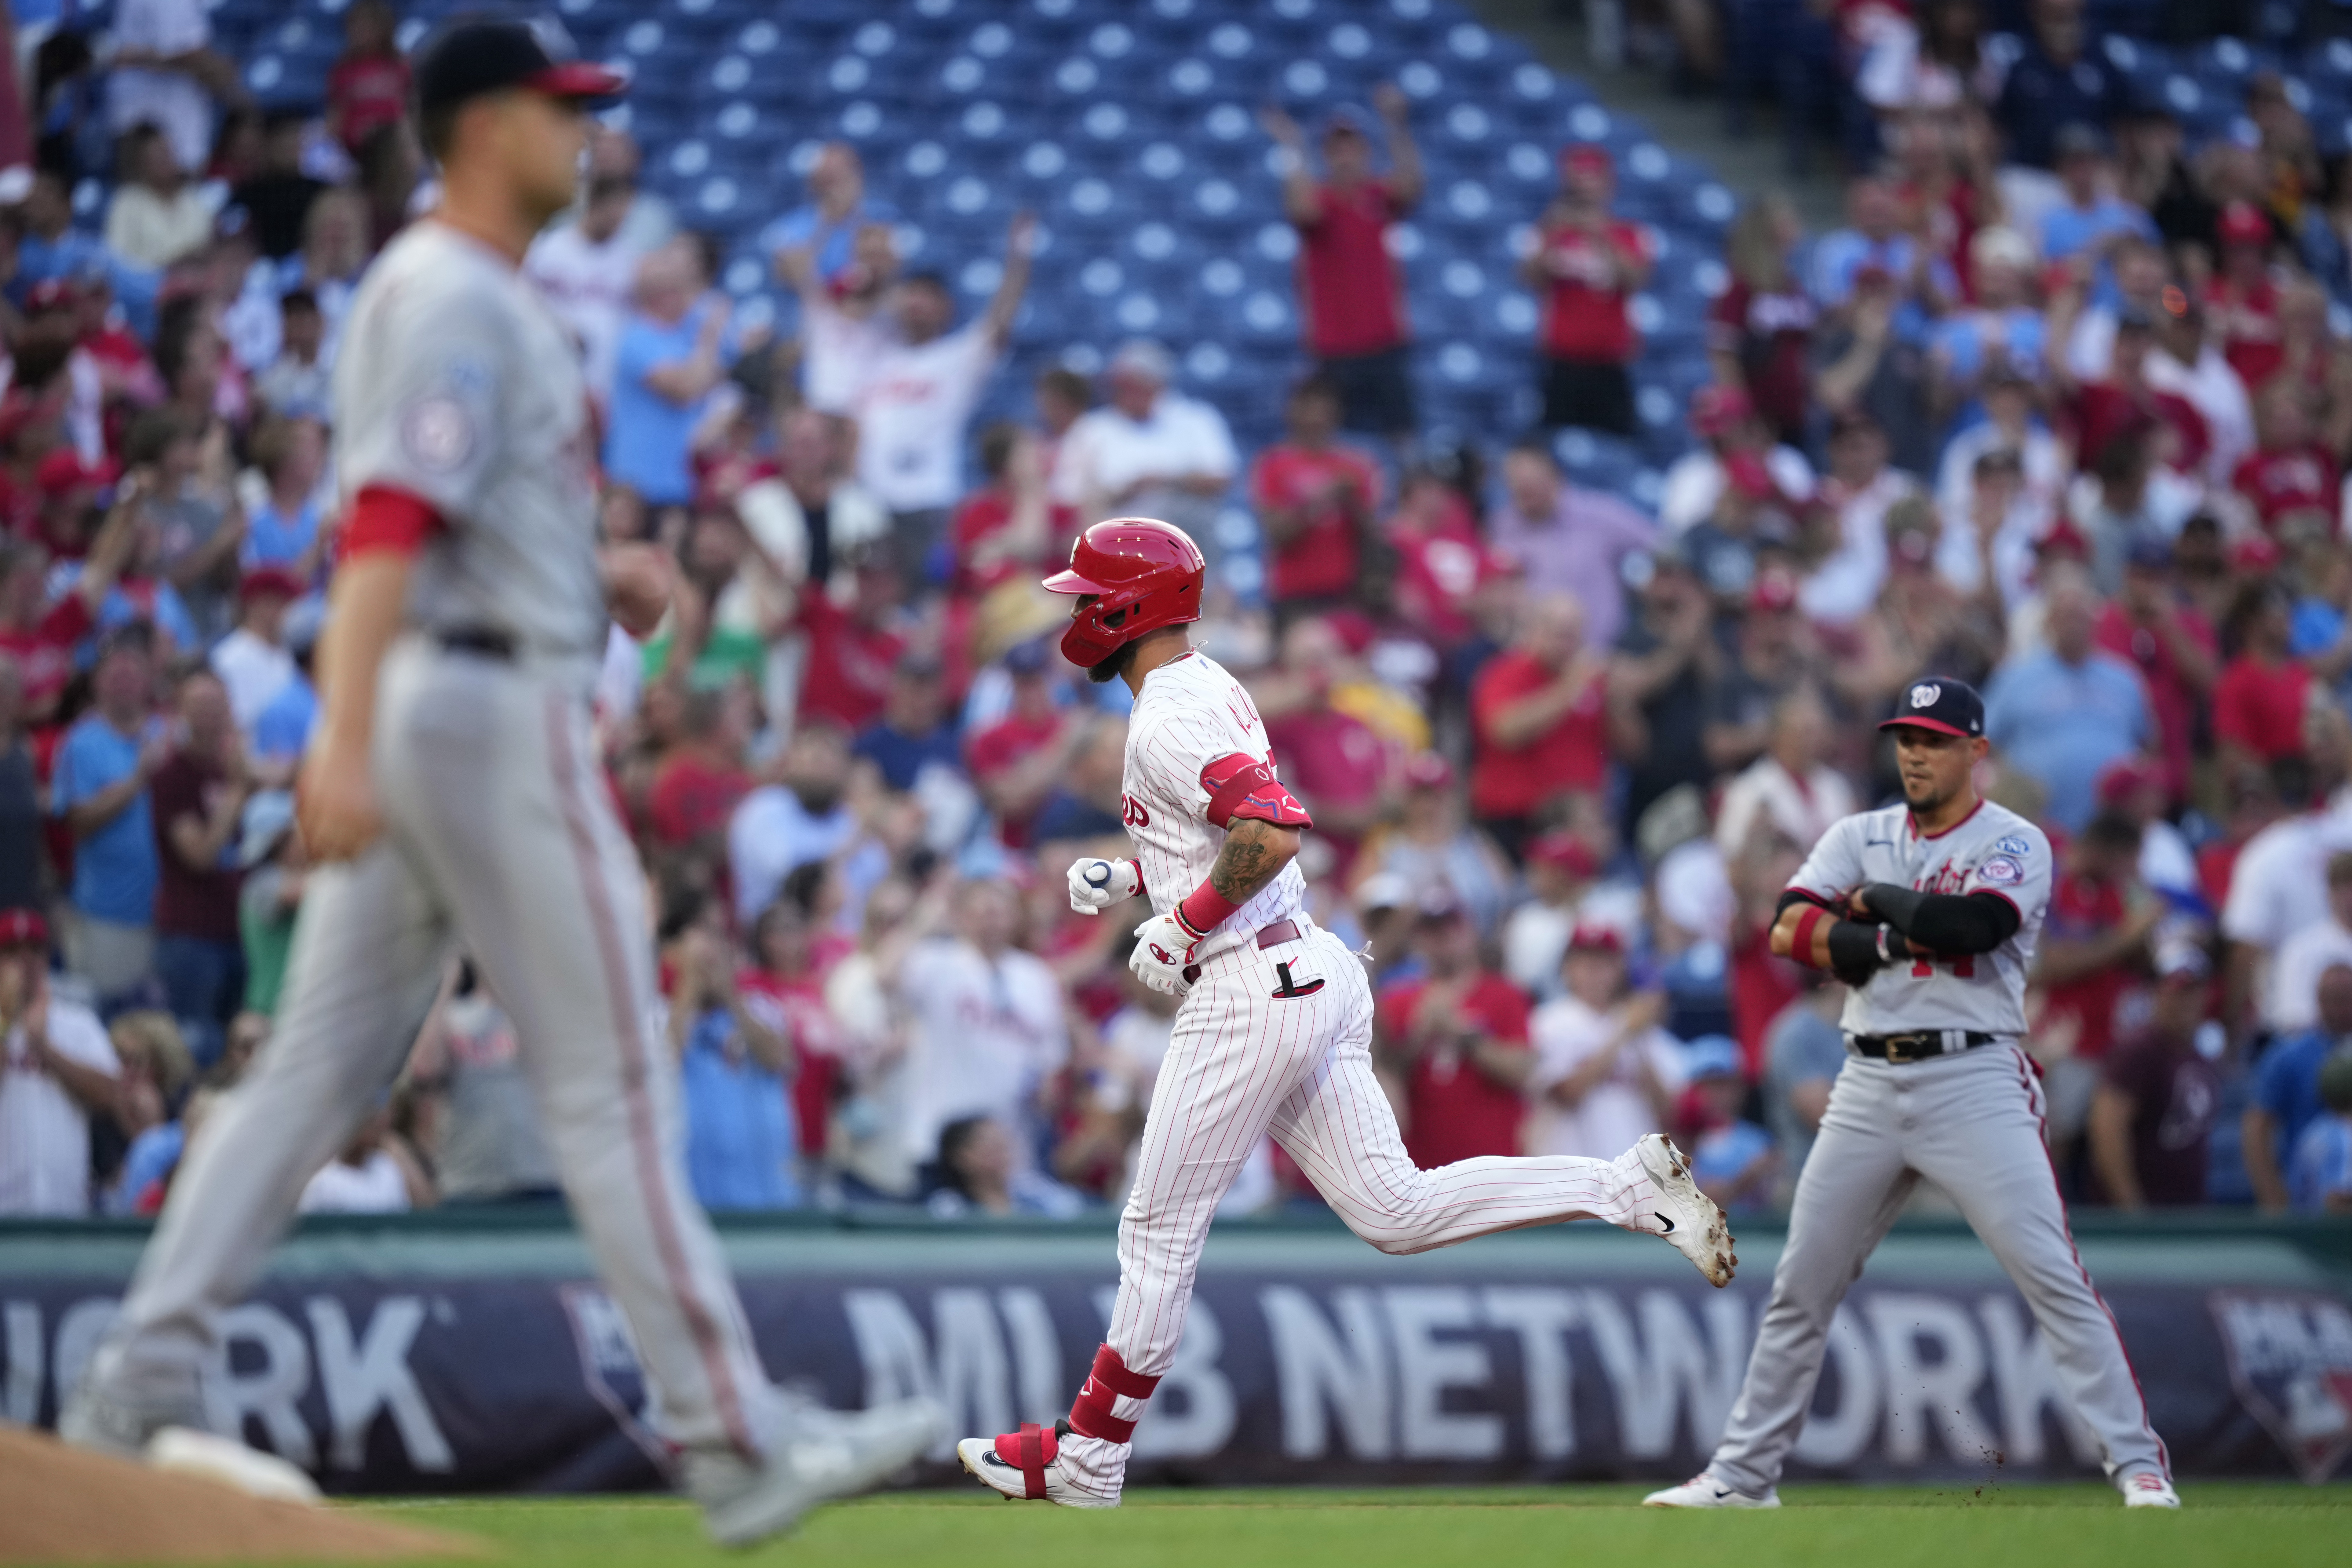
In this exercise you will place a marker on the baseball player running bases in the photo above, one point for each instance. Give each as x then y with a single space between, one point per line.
1274 1030
1930 911
453 788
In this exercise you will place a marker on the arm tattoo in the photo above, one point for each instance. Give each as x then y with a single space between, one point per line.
1253 854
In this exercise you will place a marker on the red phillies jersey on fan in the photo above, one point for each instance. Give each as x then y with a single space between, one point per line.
1190 717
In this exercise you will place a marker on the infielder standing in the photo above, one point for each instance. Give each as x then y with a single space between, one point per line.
1274 1031
455 784
1929 910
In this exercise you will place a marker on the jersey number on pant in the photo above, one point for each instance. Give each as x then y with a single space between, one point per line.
1289 988
1963 967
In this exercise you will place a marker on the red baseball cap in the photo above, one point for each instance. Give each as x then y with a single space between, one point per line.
18 409
1748 476
1587 157
2123 780
1775 589
276 580
2063 538
2257 554
1428 769
1565 852
50 294
1589 936
2243 223
1715 409
64 471
23 927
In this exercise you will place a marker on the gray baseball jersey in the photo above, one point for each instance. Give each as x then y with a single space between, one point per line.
457 387
1993 850
458 384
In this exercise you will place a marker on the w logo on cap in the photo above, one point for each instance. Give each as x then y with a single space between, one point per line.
1925 694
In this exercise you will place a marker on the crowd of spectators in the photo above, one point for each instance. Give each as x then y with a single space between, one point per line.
2046 416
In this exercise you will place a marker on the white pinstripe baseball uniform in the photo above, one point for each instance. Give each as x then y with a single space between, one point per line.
1970 1122
458 386
1274 1039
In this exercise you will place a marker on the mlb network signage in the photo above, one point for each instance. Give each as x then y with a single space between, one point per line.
527 1383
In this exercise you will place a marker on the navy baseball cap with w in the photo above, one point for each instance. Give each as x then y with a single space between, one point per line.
474 56
1940 703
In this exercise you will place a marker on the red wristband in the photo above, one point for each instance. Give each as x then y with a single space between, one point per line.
1205 910
1801 950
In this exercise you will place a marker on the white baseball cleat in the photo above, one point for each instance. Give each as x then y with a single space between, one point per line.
1025 1467
1703 1490
2145 1489
1693 1223
810 1463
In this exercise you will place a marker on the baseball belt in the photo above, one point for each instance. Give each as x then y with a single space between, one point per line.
1919 1044
1273 935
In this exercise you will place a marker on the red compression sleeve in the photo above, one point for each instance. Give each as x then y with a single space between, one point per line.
1801 950
383 518
1203 910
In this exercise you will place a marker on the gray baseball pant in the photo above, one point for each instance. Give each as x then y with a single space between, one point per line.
1972 1124
498 831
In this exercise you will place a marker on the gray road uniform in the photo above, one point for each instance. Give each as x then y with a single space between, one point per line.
1965 1110
457 385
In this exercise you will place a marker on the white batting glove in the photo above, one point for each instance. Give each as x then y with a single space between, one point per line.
1097 885
1162 948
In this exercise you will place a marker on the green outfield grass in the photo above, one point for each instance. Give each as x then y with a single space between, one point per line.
1864 1527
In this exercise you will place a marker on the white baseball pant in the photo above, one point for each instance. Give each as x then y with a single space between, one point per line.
497 827
1244 1062
1972 1124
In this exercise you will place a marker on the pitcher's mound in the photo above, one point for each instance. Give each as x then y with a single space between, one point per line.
62 1505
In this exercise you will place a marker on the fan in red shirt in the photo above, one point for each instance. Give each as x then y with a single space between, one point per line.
367 88
1588 264
701 779
1010 528
2094 931
1315 499
2258 702
2291 472
41 634
1759 330
2167 638
30 429
784 988
1453 1044
1348 290
1017 761
851 652
1538 722
1335 761
2102 410
2241 302
1442 562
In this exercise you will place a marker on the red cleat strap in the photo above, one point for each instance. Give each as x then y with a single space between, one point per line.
1030 1450
1091 1412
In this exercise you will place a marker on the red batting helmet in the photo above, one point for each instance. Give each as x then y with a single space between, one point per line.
1144 575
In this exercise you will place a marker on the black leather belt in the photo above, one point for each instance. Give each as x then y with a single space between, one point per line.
1273 935
482 642
1919 1044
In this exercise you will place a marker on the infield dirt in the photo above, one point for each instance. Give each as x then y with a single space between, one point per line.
61 1505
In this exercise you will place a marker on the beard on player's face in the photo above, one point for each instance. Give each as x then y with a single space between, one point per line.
1102 672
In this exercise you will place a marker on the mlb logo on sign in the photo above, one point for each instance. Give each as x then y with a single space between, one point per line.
1925 694
2291 1361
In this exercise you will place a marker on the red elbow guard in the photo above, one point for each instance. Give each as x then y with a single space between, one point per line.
1246 786
383 518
